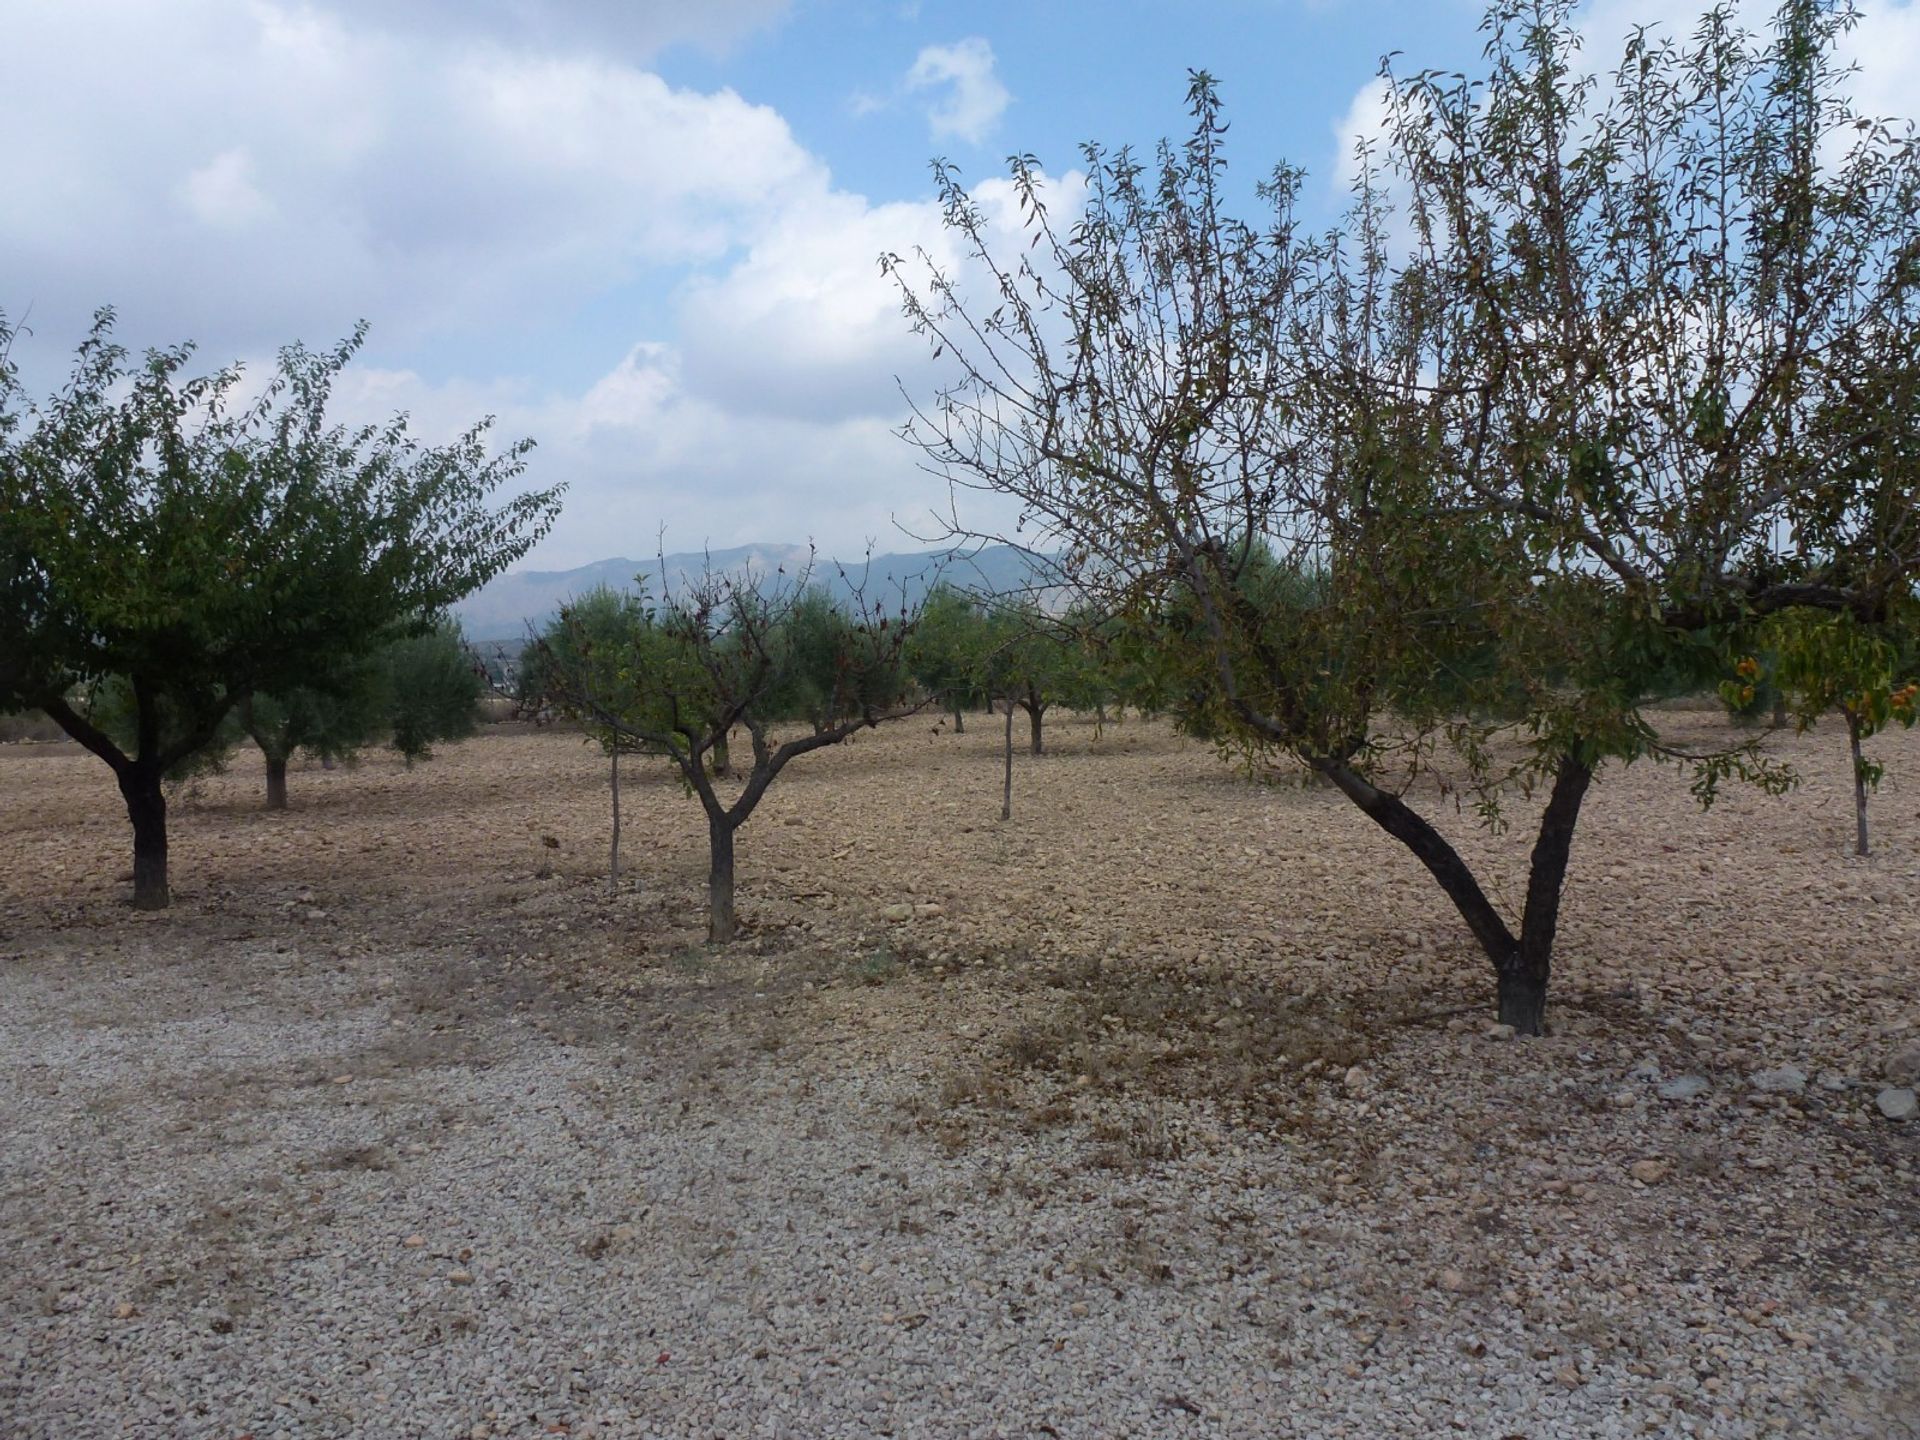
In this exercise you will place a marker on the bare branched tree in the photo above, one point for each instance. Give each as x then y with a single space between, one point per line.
676 679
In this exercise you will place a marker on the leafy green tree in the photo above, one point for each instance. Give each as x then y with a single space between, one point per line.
202 547
332 722
826 674
581 665
1031 661
1562 437
1825 661
947 652
433 686
679 677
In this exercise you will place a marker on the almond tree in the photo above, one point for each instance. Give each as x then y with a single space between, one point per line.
1555 431
1825 661
684 674
158 529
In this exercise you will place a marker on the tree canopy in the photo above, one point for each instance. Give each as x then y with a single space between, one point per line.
1601 370
203 545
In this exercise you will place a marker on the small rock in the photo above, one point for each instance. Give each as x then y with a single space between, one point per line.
1833 1080
460 1277
1079 1309
929 910
414 1242
124 1311
1501 1032
1903 1068
1453 1280
1782 1080
1356 1078
896 912
1897 1103
1649 1172
1685 1087
1648 1069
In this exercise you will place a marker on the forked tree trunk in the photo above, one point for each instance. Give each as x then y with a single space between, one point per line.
720 918
1859 784
276 783
1522 964
1006 789
147 809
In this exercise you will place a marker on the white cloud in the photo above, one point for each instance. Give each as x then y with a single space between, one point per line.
1364 124
221 194
637 29
972 98
642 454
248 170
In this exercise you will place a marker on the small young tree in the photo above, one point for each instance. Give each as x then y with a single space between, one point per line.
1031 660
433 686
158 529
578 667
947 650
331 722
721 656
1824 662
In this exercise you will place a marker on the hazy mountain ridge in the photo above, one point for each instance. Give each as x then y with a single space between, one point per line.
505 607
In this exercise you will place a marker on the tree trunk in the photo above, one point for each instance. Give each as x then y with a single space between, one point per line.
722 762
1523 980
1006 791
720 917
1859 784
613 851
1779 711
1034 712
1521 964
276 783
147 808
959 719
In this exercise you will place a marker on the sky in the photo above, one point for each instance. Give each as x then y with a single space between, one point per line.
643 232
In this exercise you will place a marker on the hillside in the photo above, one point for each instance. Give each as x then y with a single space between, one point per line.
505 608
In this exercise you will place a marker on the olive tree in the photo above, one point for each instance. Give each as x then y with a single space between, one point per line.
1558 427
201 547
947 651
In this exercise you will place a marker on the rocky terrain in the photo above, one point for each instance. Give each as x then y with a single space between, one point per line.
1168 1108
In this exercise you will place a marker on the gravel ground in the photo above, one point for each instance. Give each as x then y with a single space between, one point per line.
1169 1109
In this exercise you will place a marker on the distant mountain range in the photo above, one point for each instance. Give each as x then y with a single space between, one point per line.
503 609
